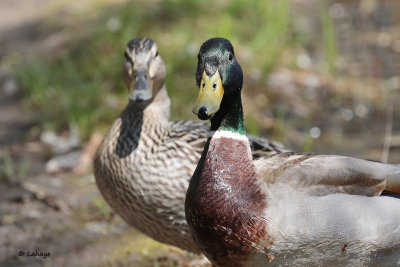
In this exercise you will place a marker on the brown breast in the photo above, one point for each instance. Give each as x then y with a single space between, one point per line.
225 203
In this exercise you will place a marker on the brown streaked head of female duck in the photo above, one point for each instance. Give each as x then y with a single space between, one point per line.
143 70
219 78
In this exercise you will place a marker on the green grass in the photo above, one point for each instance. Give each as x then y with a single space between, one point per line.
76 84
103 208
12 171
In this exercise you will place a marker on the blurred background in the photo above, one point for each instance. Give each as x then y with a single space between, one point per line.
320 76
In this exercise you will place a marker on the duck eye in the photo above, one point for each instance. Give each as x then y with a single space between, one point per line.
156 54
230 56
214 86
203 85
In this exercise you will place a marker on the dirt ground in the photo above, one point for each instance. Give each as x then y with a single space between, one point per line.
57 218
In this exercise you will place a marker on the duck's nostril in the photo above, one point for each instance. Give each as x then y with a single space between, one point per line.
202 114
139 98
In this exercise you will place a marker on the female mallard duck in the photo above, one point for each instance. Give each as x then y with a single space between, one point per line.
284 209
143 166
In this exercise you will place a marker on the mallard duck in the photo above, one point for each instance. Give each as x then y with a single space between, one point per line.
285 209
143 166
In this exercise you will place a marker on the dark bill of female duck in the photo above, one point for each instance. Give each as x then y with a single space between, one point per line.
137 74
213 81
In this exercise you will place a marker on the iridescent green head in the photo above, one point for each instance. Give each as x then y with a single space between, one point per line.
218 74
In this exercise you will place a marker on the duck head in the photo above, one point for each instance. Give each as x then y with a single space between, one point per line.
218 75
143 69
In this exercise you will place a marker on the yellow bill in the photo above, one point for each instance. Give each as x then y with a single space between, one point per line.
210 95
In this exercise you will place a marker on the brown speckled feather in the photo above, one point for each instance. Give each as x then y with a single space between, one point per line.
144 165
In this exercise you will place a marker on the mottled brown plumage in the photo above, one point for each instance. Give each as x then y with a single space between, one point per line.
145 161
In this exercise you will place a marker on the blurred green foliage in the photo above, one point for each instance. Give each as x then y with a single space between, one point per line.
329 40
74 84
103 208
12 171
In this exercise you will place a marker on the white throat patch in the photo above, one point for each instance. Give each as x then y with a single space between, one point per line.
231 135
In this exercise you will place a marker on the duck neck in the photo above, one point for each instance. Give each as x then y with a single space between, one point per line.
230 115
148 117
225 189
156 109
159 108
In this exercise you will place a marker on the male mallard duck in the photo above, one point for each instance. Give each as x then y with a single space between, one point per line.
143 166
285 209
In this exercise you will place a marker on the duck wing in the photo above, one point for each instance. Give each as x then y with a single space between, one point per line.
329 174
261 147
192 133
196 133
